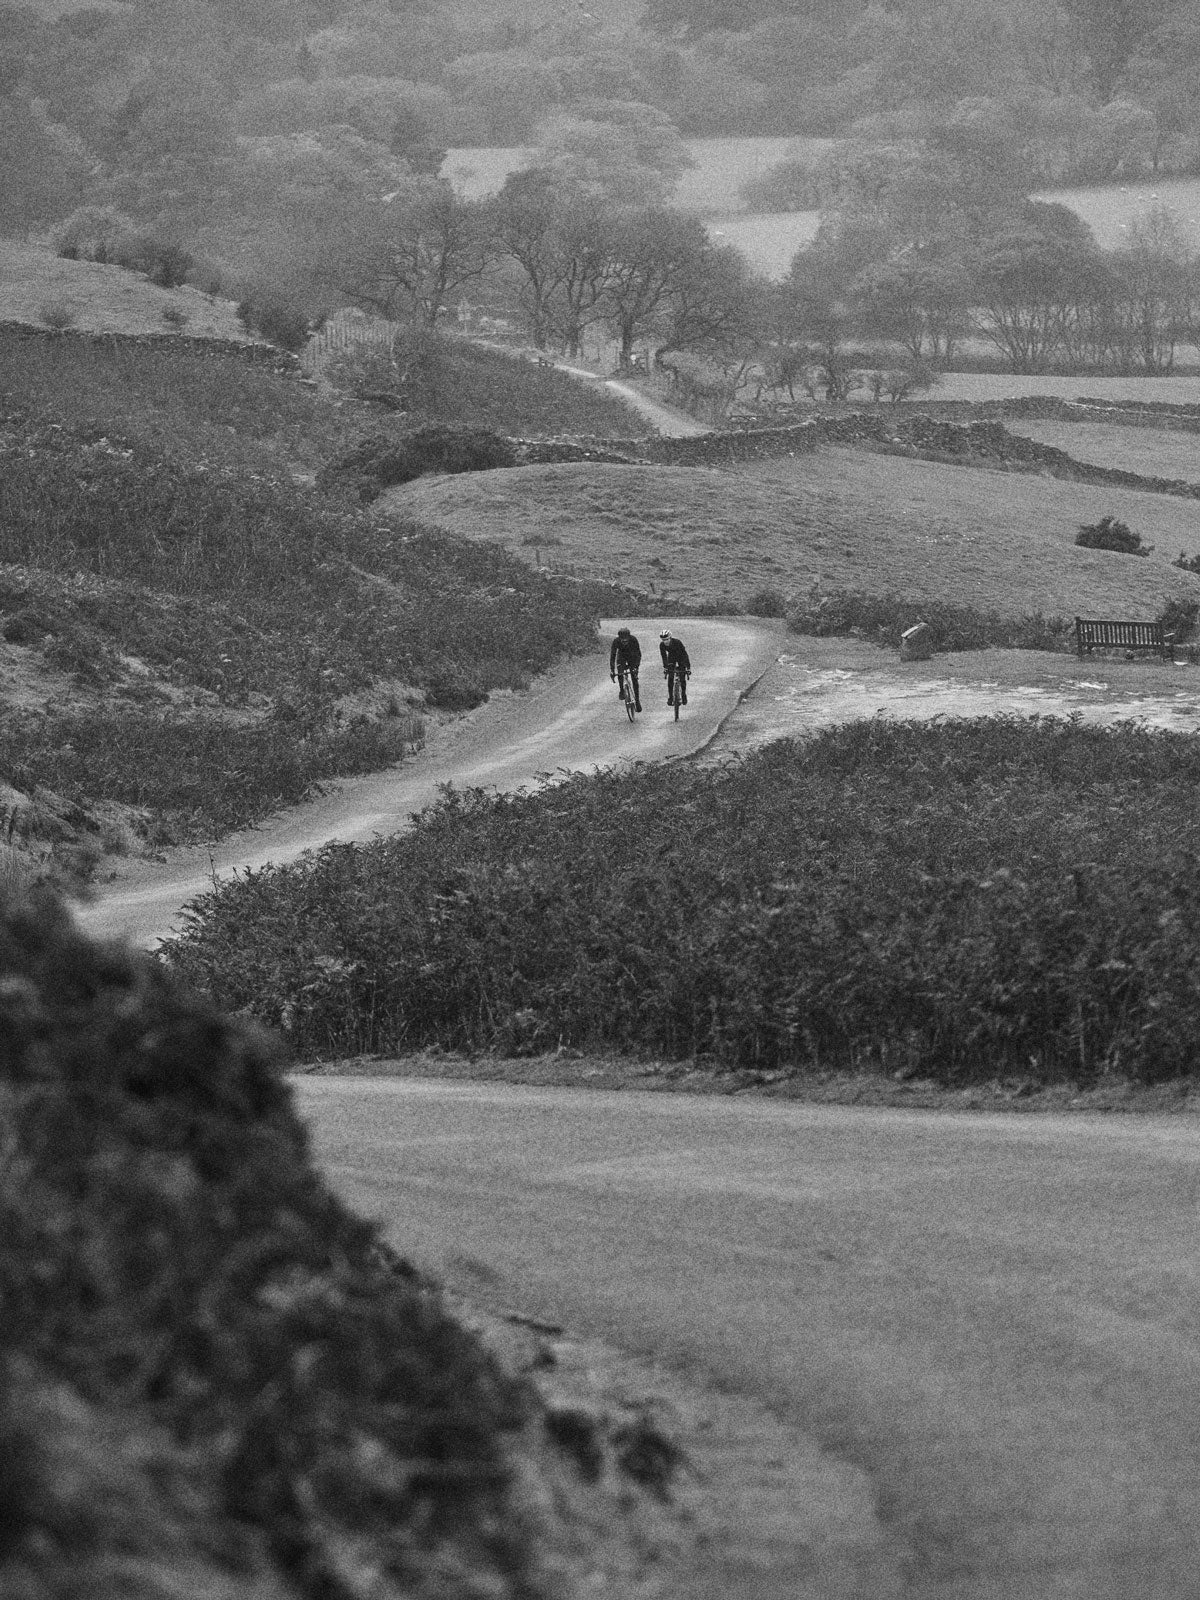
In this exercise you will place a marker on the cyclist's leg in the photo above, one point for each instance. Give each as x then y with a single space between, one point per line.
637 694
670 684
683 678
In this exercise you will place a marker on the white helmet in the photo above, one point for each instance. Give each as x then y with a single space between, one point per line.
665 634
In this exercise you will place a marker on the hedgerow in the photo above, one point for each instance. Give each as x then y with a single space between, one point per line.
883 618
961 900
214 1379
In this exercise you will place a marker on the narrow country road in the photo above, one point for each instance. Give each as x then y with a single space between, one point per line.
569 721
992 1318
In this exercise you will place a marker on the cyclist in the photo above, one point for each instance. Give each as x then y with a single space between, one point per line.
626 652
674 660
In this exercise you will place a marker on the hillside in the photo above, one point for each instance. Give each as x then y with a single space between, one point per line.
191 634
102 298
840 518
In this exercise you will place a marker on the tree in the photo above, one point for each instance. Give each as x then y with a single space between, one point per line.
416 252
1111 32
691 19
653 253
530 219
1165 78
921 301
1028 285
510 92
632 155
43 175
1156 275
713 305
820 308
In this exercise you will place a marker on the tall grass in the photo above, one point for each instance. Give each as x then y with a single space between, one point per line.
963 900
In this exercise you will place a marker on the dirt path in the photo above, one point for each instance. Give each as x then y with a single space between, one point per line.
670 423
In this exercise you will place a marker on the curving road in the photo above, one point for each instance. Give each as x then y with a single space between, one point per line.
568 722
993 1318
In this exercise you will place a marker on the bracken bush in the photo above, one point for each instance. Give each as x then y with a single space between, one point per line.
200 775
375 598
883 618
964 900
214 1379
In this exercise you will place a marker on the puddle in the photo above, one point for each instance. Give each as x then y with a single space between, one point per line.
795 699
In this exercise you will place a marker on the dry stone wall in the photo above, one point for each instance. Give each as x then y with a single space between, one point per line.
268 355
979 439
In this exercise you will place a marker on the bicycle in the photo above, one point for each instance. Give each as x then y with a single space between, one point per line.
625 685
677 679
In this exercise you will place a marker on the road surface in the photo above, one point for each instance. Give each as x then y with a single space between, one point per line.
570 721
993 1317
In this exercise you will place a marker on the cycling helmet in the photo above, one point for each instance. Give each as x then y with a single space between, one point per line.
622 633
665 634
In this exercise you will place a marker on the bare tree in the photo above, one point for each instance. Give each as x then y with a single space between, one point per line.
653 254
417 252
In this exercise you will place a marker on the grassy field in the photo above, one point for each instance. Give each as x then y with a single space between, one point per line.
723 167
102 299
1154 452
979 386
841 518
1110 209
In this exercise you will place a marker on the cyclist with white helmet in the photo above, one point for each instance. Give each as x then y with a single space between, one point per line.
674 660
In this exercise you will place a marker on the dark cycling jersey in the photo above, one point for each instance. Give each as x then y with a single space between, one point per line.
674 655
627 650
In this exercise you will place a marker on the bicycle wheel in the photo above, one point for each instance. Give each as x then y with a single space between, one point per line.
676 693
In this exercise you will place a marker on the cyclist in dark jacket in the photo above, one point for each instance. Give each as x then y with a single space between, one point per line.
628 652
674 660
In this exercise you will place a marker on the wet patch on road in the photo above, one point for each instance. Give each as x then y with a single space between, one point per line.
807 691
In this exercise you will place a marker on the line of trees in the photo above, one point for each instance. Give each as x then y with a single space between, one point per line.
910 267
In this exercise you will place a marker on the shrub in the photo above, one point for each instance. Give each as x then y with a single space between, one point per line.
1178 618
791 185
167 265
966 900
57 316
766 603
454 689
458 383
279 323
214 1378
382 460
1111 534
98 233
1188 563
883 618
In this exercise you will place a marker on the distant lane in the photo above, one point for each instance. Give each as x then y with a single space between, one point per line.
568 722
994 1317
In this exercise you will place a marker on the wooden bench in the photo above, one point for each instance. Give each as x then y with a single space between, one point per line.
1093 633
